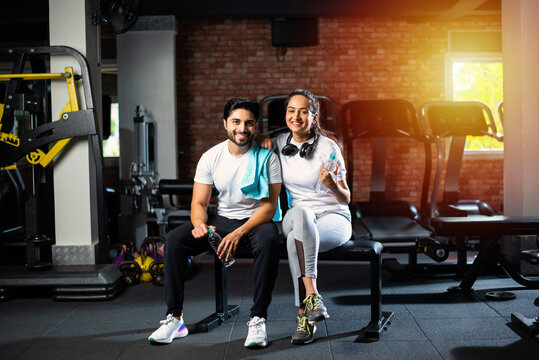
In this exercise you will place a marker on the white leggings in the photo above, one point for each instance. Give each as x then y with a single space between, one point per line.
317 234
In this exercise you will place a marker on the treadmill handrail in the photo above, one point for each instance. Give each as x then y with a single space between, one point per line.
470 104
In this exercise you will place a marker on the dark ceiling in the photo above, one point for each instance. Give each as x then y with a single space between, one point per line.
26 21
28 11
265 8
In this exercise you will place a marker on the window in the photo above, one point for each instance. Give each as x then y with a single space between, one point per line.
474 72
478 78
111 146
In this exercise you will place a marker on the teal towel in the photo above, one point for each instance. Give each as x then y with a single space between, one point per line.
254 183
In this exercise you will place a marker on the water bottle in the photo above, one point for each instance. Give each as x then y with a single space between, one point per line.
331 165
215 239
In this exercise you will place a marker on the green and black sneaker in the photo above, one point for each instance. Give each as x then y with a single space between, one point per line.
304 333
315 309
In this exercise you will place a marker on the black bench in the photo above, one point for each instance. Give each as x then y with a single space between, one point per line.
371 251
354 250
490 229
530 325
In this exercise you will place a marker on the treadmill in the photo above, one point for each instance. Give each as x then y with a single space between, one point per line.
455 120
394 223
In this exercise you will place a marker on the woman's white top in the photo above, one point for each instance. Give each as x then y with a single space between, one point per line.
300 175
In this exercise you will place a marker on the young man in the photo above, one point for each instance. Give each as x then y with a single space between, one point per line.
239 218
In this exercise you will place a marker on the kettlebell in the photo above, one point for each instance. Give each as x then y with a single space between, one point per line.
144 263
153 246
130 272
157 270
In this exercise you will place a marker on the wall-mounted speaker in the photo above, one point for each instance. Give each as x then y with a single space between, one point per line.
293 32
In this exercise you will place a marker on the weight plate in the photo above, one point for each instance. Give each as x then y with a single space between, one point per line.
500 295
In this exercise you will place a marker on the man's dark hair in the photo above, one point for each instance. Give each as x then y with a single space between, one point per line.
241 103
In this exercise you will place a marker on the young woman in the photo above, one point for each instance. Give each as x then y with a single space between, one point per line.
317 221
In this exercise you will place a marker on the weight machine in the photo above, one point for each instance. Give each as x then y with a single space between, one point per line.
143 194
36 147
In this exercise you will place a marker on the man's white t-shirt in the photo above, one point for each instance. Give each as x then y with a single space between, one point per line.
300 175
220 168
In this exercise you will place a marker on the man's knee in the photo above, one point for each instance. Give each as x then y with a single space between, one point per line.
266 237
175 237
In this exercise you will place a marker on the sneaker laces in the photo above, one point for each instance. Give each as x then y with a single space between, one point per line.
312 302
255 325
303 324
168 320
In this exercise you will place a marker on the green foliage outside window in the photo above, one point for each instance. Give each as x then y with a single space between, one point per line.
111 146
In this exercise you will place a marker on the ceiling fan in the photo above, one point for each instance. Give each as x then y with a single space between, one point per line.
120 15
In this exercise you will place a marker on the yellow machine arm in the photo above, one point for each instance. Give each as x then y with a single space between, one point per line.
38 156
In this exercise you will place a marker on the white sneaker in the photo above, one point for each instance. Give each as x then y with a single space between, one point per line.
170 329
257 333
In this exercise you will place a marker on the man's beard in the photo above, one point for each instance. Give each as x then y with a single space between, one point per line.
247 141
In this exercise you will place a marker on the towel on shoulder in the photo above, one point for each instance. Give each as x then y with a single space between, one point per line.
254 183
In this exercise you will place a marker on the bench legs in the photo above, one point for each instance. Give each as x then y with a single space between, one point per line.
223 311
379 319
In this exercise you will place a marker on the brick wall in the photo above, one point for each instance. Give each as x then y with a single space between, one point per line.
357 58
